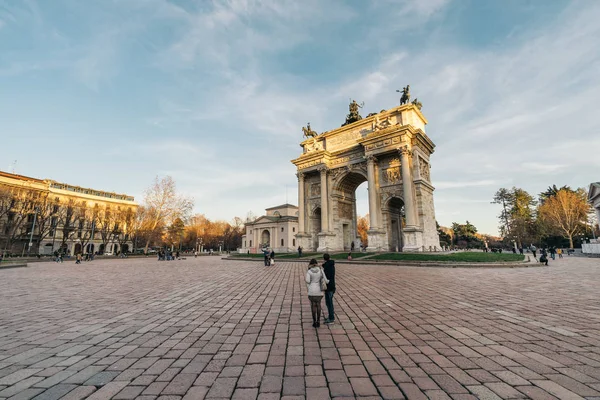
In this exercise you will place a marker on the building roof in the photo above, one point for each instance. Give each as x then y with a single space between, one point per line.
20 177
286 205
594 191
71 188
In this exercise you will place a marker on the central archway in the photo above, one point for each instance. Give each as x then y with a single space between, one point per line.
345 218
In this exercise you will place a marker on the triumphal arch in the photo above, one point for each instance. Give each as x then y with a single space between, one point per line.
391 151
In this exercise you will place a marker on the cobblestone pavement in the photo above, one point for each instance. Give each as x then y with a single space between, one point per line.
207 328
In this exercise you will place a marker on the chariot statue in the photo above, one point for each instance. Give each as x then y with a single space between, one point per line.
405 99
354 114
308 132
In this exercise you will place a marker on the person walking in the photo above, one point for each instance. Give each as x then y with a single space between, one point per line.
272 257
315 279
533 250
266 254
299 251
78 258
553 253
329 270
559 252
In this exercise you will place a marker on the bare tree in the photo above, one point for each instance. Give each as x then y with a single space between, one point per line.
164 205
106 224
566 212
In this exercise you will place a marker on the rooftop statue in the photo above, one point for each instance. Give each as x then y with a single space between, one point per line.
354 115
417 104
405 99
308 133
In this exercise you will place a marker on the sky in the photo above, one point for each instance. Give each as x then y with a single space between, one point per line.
109 94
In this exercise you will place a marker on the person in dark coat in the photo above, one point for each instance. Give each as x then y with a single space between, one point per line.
329 269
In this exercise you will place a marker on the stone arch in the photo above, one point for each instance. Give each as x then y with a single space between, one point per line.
77 248
392 152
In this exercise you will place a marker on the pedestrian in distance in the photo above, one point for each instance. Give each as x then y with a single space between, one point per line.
78 258
267 258
299 251
315 282
272 257
329 270
533 250
559 252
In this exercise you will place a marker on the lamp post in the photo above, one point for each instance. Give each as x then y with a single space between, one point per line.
32 229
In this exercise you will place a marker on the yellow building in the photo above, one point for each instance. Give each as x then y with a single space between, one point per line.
64 218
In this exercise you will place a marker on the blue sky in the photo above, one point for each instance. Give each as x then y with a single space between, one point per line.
109 94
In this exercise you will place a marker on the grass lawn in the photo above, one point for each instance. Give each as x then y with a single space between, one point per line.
454 257
344 256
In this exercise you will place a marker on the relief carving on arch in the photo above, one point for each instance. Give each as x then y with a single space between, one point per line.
345 210
391 175
424 169
315 189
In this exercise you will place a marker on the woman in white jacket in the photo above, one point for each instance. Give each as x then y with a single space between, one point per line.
314 278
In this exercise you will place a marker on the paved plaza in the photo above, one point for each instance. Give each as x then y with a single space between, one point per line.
209 328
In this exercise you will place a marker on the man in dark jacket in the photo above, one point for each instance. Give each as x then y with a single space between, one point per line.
329 269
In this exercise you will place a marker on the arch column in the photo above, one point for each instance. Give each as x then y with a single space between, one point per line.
301 226
325 236
413 233
375 233
373 211
407 187
324 201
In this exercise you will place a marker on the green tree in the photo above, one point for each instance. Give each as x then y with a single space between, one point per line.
465 235
517 216
443 233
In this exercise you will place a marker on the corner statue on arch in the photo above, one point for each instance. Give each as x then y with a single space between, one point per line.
391 151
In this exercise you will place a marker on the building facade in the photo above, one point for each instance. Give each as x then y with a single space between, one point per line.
41 216
275 230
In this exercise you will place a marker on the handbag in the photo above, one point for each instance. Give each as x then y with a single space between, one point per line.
324 281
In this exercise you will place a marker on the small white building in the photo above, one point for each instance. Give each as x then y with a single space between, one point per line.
594 198
276 230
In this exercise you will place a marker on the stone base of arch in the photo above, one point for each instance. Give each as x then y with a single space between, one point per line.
377 241
413 238
327 242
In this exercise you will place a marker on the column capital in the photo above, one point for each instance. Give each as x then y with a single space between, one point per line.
323 169
404 150
371 159
300 175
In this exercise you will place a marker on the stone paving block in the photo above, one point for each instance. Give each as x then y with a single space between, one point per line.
196 393
55 392
80 392
26 394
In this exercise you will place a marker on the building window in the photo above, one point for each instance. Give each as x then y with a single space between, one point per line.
282 242
294 229
282 229
245 243
251 243
294 242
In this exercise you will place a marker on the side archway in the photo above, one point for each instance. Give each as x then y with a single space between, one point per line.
394 221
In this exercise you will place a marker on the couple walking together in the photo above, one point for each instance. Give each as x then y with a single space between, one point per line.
321 282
